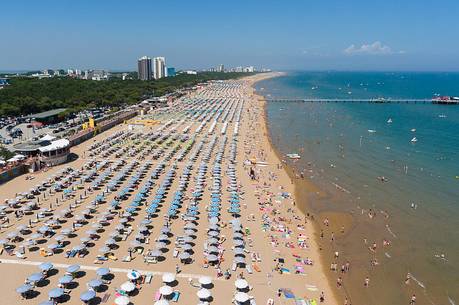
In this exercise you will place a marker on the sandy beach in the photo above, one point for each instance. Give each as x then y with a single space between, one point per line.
207 172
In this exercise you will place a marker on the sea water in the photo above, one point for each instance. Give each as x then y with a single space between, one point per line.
364 156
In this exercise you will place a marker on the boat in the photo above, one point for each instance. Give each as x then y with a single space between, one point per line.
414 140
446 100
413 129
371 130
294 156
389 120
442 116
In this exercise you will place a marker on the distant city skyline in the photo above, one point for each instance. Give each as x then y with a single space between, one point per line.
298 35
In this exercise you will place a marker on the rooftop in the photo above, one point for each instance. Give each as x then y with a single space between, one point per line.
46 114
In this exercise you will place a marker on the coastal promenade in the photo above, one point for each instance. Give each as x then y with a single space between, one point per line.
197 209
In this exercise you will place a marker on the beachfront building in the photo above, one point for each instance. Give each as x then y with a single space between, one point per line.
47 150
144 68
159 67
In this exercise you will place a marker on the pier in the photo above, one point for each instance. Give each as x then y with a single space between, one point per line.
373 101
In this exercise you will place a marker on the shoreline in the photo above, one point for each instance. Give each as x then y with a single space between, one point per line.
302 203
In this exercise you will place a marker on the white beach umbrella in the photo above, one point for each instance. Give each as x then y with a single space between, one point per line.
241 297
162 302
241 283
168 277
203 293
127 286
205 280
122 300
165 290
133 274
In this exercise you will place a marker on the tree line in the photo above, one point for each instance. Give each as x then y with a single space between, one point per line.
27 95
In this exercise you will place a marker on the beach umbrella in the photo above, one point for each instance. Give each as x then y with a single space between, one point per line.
241 284
165 230
212 233
94 283
184 255
165 290
87 295
24 288
212 249
241 297
47 303
127 286
239 260
110 241
238 251
212 241
203 293
73 268
155 253
102 271
45 266
212 257
133 274
187 247
238 242
55 293
53 246
205 280
162 302
122 300
160 245
65 279
104 249
35 277
168 277
163 237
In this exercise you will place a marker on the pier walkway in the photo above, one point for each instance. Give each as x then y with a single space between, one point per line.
374 101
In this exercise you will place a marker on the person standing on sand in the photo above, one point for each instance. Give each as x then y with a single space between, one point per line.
413 299
322 297
367 282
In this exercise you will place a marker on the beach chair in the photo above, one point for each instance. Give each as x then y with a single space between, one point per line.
233 267
176 253
175 296
148 278
256 267
157 296
249 269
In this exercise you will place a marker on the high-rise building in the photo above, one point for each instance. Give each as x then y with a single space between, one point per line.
159 67
170 71
144 68
221 68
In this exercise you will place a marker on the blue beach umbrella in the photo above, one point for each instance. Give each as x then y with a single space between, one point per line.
87 295
95 283
66 279
45 266
73 268
35 277
56 293
24 288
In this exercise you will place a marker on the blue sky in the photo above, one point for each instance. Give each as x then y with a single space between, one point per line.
313 35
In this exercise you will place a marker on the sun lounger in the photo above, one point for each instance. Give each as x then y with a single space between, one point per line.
127 259
175 296
148 278
176 253
233 267
256 267
249 269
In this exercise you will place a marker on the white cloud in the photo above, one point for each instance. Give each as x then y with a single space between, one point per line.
376 48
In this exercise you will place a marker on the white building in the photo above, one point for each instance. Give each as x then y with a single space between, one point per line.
159 67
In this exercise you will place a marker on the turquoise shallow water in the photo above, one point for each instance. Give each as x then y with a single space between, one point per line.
337 148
